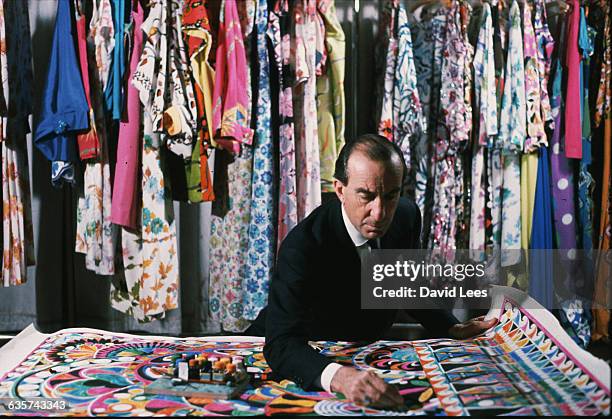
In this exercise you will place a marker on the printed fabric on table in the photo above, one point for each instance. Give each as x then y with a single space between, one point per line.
525 365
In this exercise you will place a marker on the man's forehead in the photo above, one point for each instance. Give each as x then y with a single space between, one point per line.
360 160
373 183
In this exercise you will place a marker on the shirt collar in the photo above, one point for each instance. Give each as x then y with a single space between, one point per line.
356 237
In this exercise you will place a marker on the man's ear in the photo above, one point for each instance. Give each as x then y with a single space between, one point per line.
339 189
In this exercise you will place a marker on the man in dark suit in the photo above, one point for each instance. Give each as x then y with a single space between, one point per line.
315 290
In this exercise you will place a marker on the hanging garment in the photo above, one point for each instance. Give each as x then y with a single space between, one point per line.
529 177
100 45
102 31
126 191
196 27
180 112
261 244
331 103
95 235
462 197
151 73
451 136
17 83
231 209
574 317
541 284
386 65
427 44
494 165
500 43
586 183
536 136
320 50
4 92
545 46
19 92
422 43
113 92
484 86
88 142
64 109
305 109
561 170
603 114
603 106
564 212
179 124
407 109
229 241
279 29
230 99
573 121
150 257
512 133
439 35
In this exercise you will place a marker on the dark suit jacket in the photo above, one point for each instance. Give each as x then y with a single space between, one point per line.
315 292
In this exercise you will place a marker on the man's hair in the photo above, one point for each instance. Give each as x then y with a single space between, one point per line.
376 147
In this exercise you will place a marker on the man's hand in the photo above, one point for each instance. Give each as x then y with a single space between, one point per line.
366 388
471 328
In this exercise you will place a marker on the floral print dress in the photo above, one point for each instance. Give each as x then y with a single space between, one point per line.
386 67
512 133
308 165
280 36
16 106
229 234
196 27
95 236
452 134
261 244
408 119
484 86
150 258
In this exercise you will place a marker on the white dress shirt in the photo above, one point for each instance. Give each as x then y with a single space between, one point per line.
361 245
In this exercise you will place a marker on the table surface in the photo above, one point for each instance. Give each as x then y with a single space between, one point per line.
521 366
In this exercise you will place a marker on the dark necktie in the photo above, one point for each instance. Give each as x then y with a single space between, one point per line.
373 244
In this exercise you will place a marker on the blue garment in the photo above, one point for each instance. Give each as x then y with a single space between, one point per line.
260 259
113 94
575 315
541 262
64 109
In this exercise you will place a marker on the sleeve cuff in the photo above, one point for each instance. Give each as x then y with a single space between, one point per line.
328 374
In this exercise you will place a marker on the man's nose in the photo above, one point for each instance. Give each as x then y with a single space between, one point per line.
377 210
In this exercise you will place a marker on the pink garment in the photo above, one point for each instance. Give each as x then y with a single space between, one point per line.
573 119
231 104
124 210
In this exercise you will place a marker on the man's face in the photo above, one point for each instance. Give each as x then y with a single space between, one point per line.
371 195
